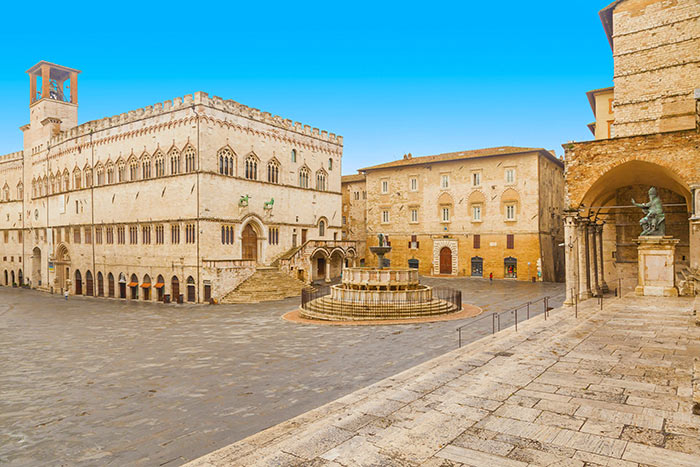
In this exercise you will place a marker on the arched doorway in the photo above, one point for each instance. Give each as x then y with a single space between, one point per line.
175 289
62 267
12 277
336 264
100 285
110 285
249 243
190 289
6 279
122 285
36 267
445 260
160 287
134 287
20 278
146 287
89 285
78 282
477 266
510 266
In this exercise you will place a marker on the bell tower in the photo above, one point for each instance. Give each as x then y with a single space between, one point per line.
53 102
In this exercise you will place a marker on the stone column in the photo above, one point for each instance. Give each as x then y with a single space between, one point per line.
601 269
328 270
694 227
584 280
593 243
570 256
45 81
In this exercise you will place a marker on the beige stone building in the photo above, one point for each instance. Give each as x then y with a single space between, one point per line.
468 213
186 197
654 140
354 221
601 101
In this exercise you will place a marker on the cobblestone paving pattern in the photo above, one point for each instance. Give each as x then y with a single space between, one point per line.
609 388
107 382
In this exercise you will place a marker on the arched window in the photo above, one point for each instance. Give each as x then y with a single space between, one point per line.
20 190
87 171
251 167
121 171
189 159
76 179
294 155
160 164
6 193
133 169
52 184
304 174
174 161
66 180
100 175
145 166
45 185
273 172
322 228
330 163
110 173
321 180
190 289
226 161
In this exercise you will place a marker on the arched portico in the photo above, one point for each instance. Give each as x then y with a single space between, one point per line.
36 267
319 265
62 265
602 226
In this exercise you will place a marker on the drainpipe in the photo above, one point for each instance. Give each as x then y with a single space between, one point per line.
197 171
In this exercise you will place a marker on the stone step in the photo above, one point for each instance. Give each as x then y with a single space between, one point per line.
266 284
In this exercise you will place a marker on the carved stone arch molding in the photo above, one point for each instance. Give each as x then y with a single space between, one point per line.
438 245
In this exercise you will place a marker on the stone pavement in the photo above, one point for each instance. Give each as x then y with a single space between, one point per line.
613 387
111 382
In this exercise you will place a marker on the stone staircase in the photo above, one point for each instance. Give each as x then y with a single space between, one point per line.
266 284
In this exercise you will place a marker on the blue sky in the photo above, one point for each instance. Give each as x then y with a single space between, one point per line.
391 77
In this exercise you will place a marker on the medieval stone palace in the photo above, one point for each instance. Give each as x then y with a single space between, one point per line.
185 198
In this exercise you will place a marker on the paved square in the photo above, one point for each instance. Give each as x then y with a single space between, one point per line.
95 381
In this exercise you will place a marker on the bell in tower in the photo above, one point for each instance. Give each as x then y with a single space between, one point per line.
53 102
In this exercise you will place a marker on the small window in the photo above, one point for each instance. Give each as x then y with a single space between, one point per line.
322 229
445 181
510 212
414 184
294 155
510 241
330 163
510 175
385 216
476 213
385 186
476 179
445 214
414 215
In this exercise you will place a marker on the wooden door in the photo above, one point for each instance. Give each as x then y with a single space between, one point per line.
303 236
175 287
445 261
250 243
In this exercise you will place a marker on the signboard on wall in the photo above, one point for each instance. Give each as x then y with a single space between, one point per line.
51 267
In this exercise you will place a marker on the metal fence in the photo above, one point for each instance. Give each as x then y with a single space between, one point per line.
379 306
508 318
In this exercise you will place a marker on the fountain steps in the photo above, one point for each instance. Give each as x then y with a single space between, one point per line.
327 309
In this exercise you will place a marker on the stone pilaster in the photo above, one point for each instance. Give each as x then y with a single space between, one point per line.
593 252
584 280
570 256
601 270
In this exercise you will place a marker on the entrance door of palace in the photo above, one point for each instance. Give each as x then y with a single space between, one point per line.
250 243
445 261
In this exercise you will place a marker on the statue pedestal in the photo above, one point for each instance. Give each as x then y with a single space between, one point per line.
657 272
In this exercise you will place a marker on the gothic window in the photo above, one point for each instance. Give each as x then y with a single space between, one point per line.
133 170
121 171
273 172
160 164
251 167
174 161
294 155
6 193
45 185
322 228
100 176
88 177
226 163
189 159
330 163
146 234
189 233
227 234
76 179
66 180
160 235
304 174
273 237
20 191
321 180
110 173
133 235
109 233
175 234
145 167
52 185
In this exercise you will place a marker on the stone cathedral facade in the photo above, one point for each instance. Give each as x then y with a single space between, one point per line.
185 198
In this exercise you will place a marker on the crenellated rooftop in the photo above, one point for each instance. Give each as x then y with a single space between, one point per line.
12 156
199 98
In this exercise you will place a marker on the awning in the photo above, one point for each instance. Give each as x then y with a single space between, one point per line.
159 285
146 285
133 284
